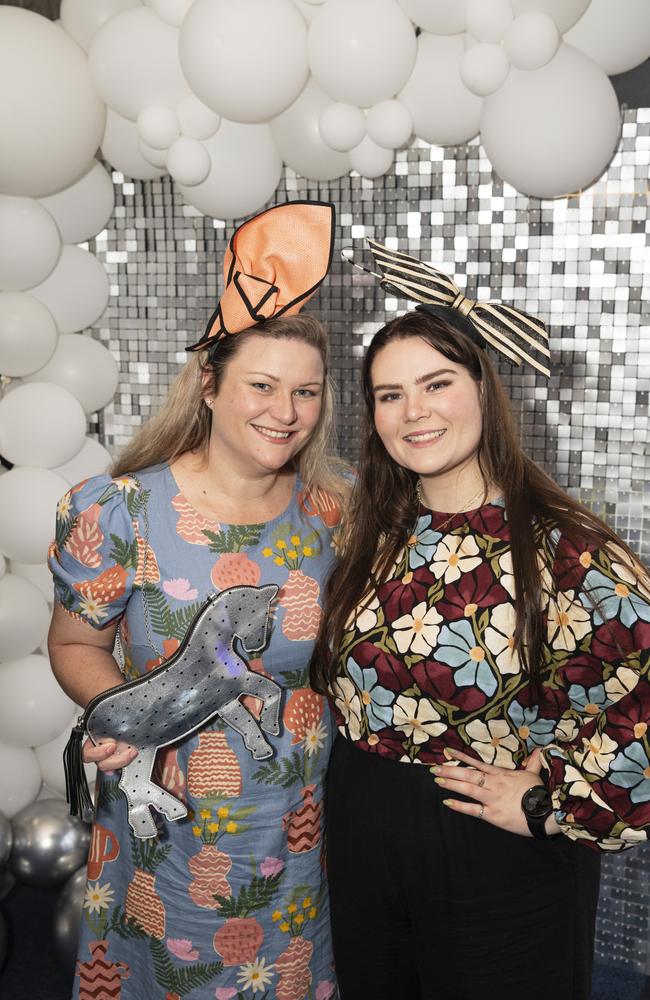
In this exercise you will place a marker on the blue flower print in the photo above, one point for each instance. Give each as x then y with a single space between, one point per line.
376 700
457 648
536 732
631 769
422 543
612 599
590 701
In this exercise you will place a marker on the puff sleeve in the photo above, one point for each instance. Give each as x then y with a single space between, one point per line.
599 640
94 556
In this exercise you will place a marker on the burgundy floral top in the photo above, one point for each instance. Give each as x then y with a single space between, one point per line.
429 664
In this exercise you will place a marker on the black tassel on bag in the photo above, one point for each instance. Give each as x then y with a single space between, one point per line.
77 792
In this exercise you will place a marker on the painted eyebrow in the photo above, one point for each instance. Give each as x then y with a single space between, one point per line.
274 378
418 381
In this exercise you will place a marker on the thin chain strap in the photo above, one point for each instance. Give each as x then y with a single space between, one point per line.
143 590
145 603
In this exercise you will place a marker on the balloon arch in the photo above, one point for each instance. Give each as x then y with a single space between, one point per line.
219 94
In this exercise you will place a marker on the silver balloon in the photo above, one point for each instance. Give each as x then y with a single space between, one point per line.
6 837
67 920
49 844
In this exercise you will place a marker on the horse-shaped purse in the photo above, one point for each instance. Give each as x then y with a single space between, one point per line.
204 678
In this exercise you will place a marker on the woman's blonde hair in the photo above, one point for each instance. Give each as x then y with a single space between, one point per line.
183 423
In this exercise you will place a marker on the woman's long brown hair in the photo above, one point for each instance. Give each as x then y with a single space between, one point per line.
383 505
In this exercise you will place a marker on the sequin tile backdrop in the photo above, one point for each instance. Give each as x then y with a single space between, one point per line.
581 263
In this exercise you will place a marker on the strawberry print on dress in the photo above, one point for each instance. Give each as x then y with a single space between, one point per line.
232 900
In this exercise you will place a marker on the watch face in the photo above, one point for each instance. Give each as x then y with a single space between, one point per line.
537 802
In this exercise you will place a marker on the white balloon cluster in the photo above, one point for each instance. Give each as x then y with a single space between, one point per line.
53 196
218 93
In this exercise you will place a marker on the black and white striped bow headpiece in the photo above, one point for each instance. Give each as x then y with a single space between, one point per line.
511 332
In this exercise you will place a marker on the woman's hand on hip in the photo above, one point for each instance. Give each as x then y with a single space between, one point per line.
496 791
109 755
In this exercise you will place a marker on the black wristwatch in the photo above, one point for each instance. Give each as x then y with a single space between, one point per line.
537 806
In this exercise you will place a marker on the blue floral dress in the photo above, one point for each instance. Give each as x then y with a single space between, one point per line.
231 901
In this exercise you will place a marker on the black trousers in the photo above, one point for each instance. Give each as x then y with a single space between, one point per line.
428 904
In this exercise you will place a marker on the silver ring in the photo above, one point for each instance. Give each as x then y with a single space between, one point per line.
481 811
481 780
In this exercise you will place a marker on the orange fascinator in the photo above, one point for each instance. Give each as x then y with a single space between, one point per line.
273 265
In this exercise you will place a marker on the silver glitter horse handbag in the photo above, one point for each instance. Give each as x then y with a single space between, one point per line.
204 678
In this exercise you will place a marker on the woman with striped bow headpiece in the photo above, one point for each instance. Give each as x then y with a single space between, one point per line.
485 640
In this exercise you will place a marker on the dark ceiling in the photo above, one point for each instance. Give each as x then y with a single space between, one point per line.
633 88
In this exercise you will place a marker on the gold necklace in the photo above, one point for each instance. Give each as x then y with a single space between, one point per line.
465 506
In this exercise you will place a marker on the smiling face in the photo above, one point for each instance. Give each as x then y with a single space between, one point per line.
427 412
268 404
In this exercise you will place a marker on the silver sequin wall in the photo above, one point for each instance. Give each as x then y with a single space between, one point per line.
581 263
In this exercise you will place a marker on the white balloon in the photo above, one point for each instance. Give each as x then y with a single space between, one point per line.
369 159
51 119
614 35
342 126
483 68
121 148
307 9
28 334
157 157
552 131
488 20
28 499
30 243
158 126
38 574
91 460
259 43
33 708
188 161
20 778
24 617
531 40
85 368
197 120
441 17
361 51
41 425
172 11
445 122
390 124
564 12
76 292
82 19
50 760
134 63
83 209
297 136
246 169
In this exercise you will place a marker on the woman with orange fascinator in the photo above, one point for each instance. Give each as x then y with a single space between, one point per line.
200 561
486 640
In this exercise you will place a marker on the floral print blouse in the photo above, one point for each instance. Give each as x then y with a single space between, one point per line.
428 663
